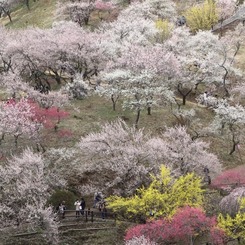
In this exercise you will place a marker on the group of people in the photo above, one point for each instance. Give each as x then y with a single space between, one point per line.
100 203
80 205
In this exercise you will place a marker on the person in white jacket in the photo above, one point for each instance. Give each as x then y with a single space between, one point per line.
77 206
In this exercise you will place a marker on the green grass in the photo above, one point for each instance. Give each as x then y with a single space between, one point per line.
41 14
87 115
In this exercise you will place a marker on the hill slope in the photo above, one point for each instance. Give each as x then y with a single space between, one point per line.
41 14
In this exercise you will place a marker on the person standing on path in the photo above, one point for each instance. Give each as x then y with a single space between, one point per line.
77 206
82 205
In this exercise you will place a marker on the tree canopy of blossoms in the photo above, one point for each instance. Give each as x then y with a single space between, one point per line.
26 183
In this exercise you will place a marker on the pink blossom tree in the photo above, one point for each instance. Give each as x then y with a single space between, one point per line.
64 51
17 119
77 11
230 179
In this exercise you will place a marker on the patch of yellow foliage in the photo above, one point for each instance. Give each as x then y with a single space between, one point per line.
163 196
234 226
164 28
202 17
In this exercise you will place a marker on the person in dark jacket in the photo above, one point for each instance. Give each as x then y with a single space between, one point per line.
82 205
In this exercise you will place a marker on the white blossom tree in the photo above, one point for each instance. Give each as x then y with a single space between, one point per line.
182 154
26 183
141 75
229 122
204 59
121 156
6 8
140 241
80 11
198 57
226 8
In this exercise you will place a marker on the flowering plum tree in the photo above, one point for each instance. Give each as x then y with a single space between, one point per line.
183 155
49 117
230 46
26 183
198 61
116 154
80 11
64 51
6 7
226 8
77 11
230 179
17 118
103 7
229 121
186 226
80 53
139 241
152 9
122 151
211 64
139 73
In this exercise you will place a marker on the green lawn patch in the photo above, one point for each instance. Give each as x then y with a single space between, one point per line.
41 14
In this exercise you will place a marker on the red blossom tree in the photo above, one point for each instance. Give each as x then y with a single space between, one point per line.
186 225
49 117
230 179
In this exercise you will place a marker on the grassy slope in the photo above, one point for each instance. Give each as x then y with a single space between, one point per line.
92 111
95 110
41 14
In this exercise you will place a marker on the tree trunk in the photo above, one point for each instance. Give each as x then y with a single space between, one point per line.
28 4
16 140
233 148
137 118
114 101
239 240
57 79
227 94
234 144
148 110
9 16
184 95
184 99
2 138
